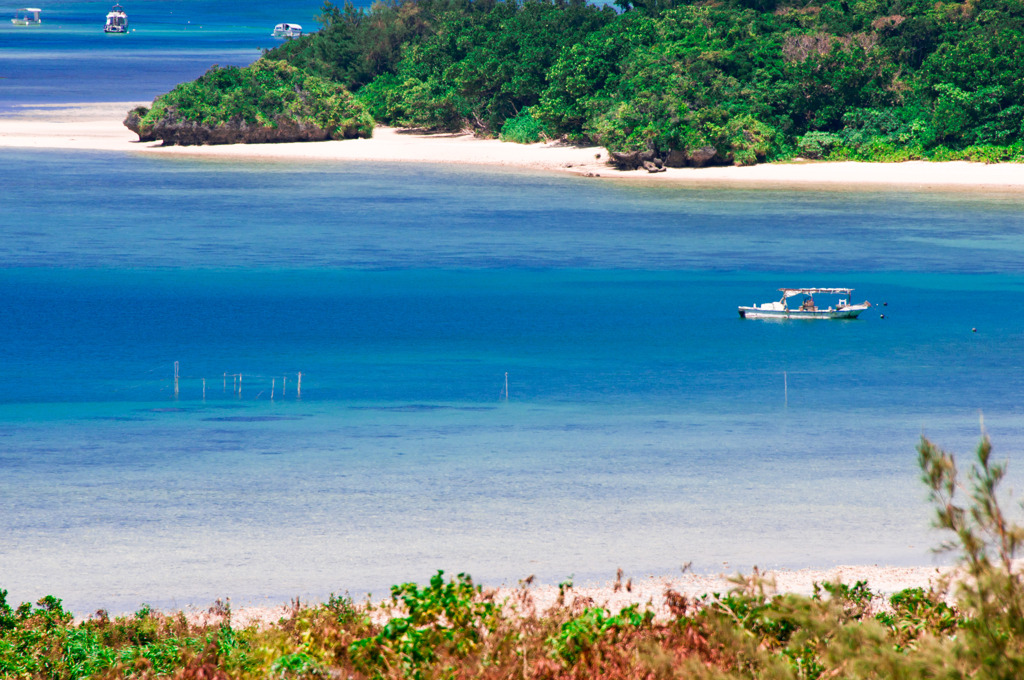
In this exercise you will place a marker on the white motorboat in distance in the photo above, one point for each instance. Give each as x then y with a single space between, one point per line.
117 20
287 31
27 16
807 309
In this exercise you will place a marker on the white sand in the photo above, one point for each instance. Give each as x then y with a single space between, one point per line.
98 127
646 592
882 580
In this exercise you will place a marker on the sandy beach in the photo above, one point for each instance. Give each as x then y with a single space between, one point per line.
647 591
98 127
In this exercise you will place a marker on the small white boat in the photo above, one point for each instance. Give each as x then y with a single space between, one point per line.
117 20
287 31
27 16
807 308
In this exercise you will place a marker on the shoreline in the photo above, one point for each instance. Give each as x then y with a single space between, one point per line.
98 127
614 595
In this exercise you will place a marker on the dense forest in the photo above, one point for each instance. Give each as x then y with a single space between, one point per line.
694 82
746 80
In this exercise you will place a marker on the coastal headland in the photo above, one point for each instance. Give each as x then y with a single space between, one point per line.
99 127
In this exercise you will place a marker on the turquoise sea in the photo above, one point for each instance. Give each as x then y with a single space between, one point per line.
645 425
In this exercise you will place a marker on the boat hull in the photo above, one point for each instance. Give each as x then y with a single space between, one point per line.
844 313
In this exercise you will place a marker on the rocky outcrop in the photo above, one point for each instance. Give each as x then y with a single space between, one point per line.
656 161
268 101
134 123
630 160
176 131
702 156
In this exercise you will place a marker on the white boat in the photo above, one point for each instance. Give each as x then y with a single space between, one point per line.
117 20
807 309
287 31
27 16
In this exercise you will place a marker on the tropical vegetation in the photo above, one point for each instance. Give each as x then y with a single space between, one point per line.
452 628
720 81
269 101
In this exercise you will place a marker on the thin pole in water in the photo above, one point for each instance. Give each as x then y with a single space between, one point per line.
298 388
175 379
204 389
273 382
239 385
506 385
284 385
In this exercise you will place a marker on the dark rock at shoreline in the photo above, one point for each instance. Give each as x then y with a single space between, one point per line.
174 131
630 160
702 156
676 159
654 161
133 122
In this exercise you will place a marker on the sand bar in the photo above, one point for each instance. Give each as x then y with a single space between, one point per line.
98 127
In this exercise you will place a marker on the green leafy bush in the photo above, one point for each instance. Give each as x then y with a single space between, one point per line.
268 101
523 129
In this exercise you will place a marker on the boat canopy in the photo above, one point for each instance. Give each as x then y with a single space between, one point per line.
34 10
791 292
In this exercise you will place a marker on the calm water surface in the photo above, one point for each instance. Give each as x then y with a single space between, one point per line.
645 424
68 58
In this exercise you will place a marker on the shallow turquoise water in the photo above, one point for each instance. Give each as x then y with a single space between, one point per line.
646 425
68 58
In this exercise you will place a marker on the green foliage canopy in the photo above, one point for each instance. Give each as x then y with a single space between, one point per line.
742 80
268 101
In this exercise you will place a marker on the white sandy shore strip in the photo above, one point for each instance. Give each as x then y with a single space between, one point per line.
648 591
98 127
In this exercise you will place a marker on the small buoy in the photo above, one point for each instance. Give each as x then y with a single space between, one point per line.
974 330
885 304
881 316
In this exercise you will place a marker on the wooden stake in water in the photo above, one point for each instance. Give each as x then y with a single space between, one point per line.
175 379
298 387
272 382
239 385
506 385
